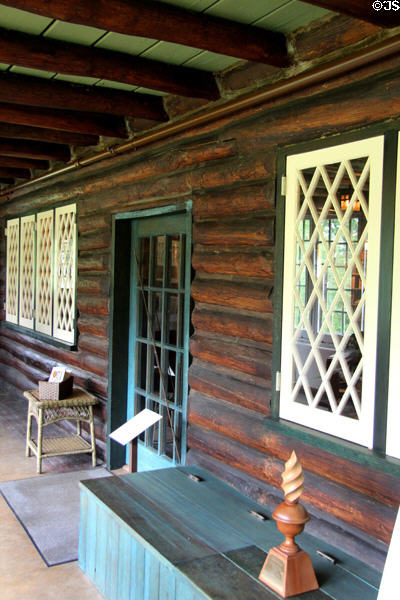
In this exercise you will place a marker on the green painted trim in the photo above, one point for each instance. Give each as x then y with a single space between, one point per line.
157 211
118 354
337 446
278 281
119 317
385 289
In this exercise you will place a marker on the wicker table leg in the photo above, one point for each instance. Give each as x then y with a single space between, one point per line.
39 442
28 431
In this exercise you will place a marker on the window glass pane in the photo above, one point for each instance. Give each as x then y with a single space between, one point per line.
327 234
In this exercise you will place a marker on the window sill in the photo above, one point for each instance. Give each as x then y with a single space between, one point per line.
39 336
353 452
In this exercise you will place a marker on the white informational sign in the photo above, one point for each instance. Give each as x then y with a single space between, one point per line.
135 426
57 374
390 579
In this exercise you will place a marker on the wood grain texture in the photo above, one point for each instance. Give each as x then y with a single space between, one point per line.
64 120
256 328
230 385
257 264
12 131
34 91
32 149
351 507
247 359
240 232
157 20
244 294
72 59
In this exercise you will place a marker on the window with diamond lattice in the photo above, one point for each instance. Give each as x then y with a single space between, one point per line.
64 276
27 272
12 286
41 263
330 288
44 272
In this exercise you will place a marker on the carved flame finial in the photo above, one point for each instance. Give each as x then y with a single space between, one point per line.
292 479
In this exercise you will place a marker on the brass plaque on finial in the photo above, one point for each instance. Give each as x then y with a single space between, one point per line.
288 569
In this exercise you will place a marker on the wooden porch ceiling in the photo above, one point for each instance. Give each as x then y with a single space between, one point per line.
71 72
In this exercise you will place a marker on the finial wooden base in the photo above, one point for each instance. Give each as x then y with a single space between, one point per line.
288 569
288 574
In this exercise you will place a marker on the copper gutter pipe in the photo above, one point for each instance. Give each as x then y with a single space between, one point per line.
282 88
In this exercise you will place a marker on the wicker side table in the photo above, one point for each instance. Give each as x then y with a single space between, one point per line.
77 407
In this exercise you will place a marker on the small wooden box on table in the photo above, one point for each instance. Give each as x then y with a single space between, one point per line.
77 407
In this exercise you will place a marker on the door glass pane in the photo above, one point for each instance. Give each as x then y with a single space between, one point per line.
159 328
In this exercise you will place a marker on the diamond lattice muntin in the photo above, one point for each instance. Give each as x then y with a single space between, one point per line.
64 317
329 286
12 268
44 271
27 268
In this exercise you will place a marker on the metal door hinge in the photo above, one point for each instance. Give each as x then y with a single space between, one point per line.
283 185
278 381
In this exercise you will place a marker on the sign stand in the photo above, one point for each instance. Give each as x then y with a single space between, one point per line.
128 434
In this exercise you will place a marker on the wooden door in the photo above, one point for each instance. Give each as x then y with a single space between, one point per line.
158 335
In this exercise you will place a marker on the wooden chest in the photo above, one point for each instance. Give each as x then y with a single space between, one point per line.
164 535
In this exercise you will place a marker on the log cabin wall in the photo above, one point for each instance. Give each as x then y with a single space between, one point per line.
228 169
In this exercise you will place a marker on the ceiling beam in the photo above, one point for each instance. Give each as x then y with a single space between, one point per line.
21 132
15 173
162 21
28 149
64 120
23 163
36 91
360 9
72 59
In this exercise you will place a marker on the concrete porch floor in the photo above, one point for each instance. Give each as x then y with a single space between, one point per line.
23 573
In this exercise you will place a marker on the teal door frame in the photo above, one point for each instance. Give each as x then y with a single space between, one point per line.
120 307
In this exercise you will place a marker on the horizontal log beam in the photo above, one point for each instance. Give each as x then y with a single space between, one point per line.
227 384
31 149
236 325
71 59
147 18
250 360
15 173
359 9
20 132
235 201
88 372
251 429
23 163
243 294
234 263
349 506
64 120
35 91
248 232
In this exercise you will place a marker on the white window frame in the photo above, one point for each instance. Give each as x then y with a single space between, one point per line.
12 271
27 272
356 430
60 322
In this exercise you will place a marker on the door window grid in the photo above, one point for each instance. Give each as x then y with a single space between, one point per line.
161 290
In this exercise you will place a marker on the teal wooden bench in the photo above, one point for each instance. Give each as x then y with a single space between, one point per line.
182 534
